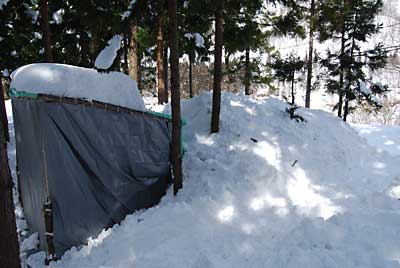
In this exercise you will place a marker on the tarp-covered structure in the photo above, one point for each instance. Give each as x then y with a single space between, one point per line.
96 162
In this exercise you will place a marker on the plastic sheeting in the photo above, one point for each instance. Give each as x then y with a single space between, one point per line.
99 166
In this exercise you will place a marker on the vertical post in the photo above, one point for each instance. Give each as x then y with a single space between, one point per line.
48 217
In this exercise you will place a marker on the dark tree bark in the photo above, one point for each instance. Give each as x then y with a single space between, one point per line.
139 73
216 105
3 114
133 61
84 55
9 247
227 61
125 51
310 55
190 75
165 61
162 98
247 73
44 24
293 88
341 77
175 96
347 92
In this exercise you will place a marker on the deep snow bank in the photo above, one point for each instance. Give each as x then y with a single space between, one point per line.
77 82
264 192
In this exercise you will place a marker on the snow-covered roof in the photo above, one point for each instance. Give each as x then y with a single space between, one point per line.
77 82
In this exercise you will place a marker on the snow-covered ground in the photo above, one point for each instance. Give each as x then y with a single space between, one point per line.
266 191
385 138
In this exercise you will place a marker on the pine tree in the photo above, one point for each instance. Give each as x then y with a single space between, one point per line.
286 69
195 27
354 23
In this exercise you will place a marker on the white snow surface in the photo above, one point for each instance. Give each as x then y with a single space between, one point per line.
77 82
311 194
107 56
384 138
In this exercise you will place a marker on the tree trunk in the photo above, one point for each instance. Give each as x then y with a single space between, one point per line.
125 51
166 70
247 73
175 96
227 61
84 53
341 77
9 247
190 75
216 104
139 74
3 114
162 98
293 88
132 53
310 55
44 24
353 44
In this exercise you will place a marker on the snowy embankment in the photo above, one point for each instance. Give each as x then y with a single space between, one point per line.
266 191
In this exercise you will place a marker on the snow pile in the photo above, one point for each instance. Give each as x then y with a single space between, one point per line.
77 82
107 56
58 16
198 39
127 13
266 191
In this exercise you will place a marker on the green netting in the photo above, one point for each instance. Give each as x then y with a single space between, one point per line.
12 92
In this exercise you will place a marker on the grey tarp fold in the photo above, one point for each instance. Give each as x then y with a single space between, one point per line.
99 165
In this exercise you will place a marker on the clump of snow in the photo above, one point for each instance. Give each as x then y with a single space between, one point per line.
364 88
77 82
36 260
58 16
32 13
127 13
107 56
198 39
266 191
5 73
30 243
3 3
